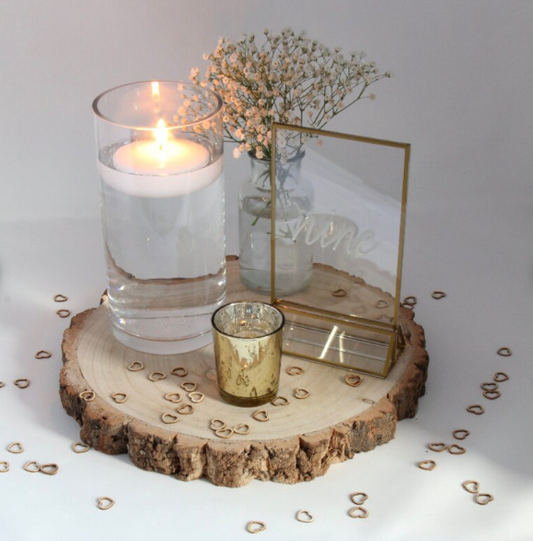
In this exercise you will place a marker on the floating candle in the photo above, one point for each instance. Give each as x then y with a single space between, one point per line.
161 155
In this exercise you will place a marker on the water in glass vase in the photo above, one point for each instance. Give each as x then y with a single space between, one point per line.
165 259
294 257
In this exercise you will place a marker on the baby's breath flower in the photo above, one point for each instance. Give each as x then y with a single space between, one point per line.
288 79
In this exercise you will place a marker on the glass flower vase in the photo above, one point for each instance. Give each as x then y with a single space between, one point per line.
294 202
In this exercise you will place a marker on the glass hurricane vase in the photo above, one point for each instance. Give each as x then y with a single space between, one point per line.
160 160
294 202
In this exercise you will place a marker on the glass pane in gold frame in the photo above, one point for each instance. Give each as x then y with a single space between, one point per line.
345 247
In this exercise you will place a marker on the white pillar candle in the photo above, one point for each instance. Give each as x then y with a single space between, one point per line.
148 158
161 155
162 166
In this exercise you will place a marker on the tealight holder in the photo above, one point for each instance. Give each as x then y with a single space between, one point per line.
160 161
247 341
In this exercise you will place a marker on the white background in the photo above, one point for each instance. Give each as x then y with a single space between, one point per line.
461 95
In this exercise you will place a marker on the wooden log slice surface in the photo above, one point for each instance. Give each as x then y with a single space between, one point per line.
298 442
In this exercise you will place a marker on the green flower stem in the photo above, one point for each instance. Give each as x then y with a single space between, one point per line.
262 210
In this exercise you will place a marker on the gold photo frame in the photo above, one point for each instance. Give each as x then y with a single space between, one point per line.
338 209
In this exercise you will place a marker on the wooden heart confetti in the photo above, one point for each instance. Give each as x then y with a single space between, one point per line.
15 448
409 302
87 396
169 418
353 380
339 293
224 432
489 386
195 397
175 398
156 376
483 499
185 409
80 447
476 409
500 377
105 503
261 416
358 512
295 371
438 447
471 486
300 394
49 469
427 465
135 366
241 429
216 424
460 434
32 466
359 498
304 516
255 526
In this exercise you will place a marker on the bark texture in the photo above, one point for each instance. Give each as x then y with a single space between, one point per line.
235 463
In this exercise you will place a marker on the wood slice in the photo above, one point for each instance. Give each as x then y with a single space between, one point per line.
298 442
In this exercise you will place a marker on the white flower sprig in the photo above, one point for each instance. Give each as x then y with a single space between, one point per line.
289 79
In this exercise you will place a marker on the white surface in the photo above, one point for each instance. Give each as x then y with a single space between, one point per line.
460 95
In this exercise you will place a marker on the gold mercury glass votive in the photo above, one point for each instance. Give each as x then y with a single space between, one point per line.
247 340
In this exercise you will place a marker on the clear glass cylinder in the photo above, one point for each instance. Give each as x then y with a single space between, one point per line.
160 161
294 202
